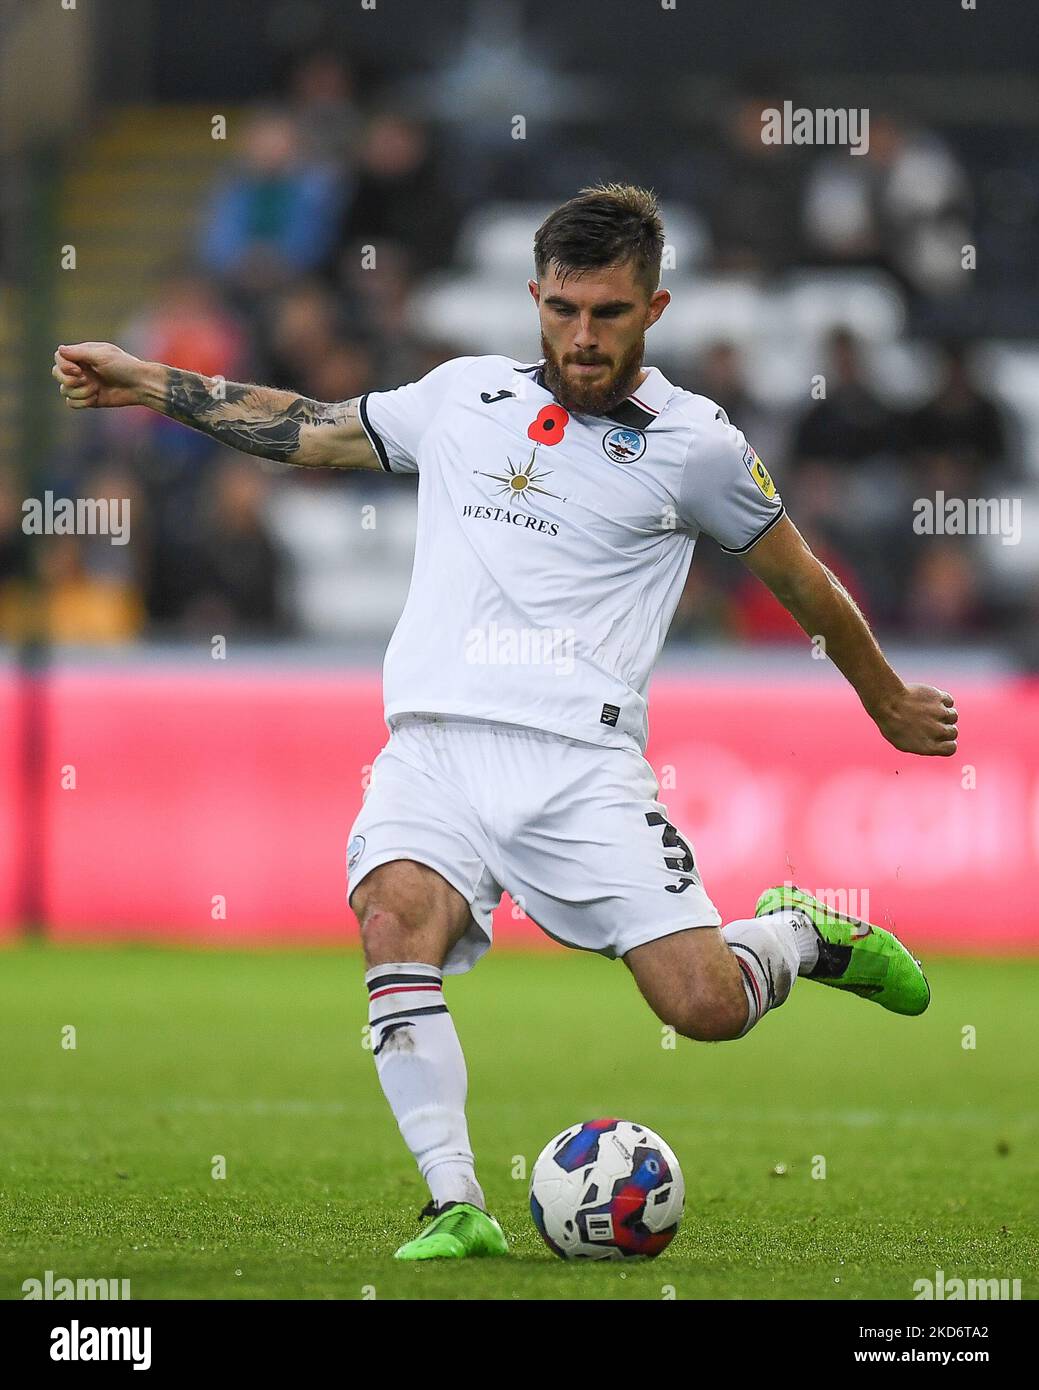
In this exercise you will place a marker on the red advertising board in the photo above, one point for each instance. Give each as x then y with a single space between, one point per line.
217 806
14 813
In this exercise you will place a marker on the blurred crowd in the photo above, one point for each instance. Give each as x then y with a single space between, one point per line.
337 206
850 467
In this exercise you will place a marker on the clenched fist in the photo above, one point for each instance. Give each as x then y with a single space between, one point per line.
98 375
919 719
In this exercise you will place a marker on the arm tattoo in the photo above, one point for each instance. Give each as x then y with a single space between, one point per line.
254 419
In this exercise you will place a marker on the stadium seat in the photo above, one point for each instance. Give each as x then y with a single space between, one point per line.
334 556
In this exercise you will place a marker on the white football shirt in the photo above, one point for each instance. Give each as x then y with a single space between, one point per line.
552 548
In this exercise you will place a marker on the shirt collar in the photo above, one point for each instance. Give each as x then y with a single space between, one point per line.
654 393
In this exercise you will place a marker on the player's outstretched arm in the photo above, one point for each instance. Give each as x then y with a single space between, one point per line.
255 419
914 718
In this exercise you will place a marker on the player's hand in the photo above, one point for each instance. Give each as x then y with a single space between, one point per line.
920 719
97 374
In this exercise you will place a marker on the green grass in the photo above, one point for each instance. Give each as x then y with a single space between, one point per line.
105 1151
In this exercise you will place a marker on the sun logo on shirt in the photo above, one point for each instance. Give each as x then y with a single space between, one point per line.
518 483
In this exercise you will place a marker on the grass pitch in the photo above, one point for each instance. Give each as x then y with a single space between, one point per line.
107 1150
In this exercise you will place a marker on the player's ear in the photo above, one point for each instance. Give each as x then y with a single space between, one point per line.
657 304
535 291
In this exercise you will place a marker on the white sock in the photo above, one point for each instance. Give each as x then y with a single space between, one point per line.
803 934
768 951
422 1071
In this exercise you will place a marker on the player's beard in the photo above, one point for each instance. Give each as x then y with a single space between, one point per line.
593 398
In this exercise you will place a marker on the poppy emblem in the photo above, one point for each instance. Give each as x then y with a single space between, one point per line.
548 426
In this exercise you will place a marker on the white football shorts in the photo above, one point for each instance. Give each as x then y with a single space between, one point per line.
573 832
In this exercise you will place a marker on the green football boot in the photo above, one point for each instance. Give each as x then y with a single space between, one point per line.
458 1231
854 955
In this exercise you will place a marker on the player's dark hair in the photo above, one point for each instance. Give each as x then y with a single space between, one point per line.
607 225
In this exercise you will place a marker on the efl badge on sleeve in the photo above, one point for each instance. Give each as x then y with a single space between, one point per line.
759 473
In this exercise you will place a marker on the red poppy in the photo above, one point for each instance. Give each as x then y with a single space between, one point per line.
549 426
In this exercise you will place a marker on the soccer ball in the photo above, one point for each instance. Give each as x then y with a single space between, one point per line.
606 1190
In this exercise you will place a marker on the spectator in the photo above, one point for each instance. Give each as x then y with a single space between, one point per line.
758 616
77 606
751 192
188 326
704 610
100 558
14 558
401 196
382 296
959 420
300 326
943 600
275 216
342 373
321 100
903 206
240 570
848 481
720 375
851 423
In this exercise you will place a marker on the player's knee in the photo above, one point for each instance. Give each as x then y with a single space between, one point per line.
408 912
708 1018
384 933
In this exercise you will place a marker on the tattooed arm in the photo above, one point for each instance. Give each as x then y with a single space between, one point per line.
259 420
255 419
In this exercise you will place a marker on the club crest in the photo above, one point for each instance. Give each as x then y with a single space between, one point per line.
623 444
